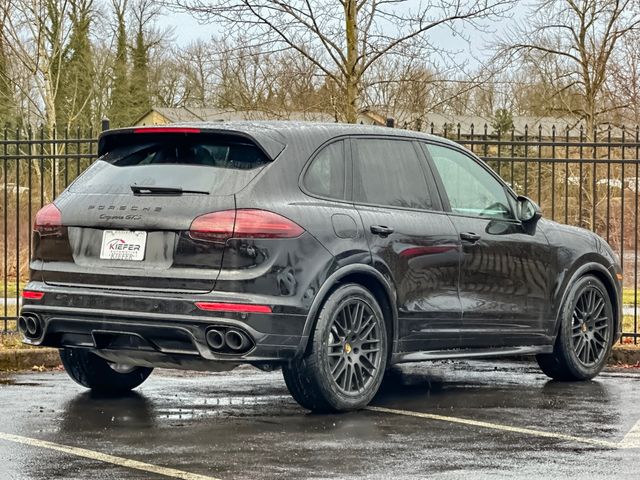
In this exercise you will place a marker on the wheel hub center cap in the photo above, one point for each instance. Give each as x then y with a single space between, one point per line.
584 327
347 348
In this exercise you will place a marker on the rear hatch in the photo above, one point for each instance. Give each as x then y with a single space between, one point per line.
126 220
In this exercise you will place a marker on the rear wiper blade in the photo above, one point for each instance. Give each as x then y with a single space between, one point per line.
144 190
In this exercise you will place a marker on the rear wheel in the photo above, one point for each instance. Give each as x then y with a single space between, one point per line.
347 357
91 371
584 340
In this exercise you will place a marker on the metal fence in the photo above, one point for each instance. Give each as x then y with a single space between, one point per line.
587 179
36 167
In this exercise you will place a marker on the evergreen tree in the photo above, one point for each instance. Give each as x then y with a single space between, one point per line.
78 69
7 100
502 121
139 88
119 110
54 70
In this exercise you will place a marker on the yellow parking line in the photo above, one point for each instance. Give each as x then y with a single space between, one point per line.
496 426
103 457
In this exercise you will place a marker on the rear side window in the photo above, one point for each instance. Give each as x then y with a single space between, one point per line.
186 150
325 176
389 172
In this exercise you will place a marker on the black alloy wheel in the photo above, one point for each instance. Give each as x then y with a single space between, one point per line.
354 346
585 333
590 329
347 355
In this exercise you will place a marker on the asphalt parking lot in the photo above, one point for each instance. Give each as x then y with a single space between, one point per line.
442 420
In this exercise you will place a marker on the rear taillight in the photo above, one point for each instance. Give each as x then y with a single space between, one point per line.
263 224
48 221
213 227
220 226
32 295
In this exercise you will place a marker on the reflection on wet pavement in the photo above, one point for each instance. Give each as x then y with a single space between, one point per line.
243 424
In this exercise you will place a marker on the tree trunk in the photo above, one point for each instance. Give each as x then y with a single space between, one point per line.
351 80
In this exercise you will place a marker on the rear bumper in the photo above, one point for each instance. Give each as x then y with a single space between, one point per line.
160 331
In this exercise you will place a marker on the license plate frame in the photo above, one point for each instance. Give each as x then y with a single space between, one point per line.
123 245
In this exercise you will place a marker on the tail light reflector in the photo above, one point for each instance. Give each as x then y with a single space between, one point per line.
166 130
32 295
233 307
48 220
247 223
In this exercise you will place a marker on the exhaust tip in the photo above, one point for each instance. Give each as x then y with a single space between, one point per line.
30 326
228 340
215 339
236 340
22 325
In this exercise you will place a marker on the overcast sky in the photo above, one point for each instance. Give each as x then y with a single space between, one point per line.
187 29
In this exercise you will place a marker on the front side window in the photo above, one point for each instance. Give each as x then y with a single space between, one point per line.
471 189
390 173
325 176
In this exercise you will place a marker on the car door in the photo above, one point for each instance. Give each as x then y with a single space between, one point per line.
412 241
504 273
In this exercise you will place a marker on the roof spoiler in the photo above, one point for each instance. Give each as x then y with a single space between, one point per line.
269 145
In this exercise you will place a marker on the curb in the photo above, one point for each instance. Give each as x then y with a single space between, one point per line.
27 358
625 354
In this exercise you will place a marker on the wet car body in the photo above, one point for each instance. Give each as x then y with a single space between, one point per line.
446 294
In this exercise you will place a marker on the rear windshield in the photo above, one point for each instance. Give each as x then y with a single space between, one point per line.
208 164
187 151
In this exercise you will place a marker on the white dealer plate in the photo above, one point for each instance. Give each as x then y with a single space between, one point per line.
123 245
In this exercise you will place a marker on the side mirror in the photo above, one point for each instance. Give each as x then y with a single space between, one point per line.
528 210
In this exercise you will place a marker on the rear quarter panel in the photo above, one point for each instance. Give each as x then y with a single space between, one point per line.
334 225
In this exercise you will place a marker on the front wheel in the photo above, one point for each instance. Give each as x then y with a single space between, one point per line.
347 356
586 333
94 372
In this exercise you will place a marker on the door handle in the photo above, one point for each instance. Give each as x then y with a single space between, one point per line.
469 237
381 230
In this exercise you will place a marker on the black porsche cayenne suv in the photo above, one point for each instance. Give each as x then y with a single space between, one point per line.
332 251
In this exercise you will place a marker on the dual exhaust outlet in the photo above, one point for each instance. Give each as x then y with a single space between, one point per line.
30 326
228 340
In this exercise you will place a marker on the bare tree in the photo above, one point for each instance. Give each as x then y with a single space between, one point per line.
572 43
196 62
35 34
623 84
345 38
273 83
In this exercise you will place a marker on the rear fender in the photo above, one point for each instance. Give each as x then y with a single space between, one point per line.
331 283
610 283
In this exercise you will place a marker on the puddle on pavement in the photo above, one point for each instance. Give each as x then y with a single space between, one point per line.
16 383
219 407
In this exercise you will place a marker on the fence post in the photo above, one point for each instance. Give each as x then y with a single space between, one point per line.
106 124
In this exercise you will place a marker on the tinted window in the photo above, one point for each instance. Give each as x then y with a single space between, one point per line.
181 150
325 176
209 163
471 189
390 173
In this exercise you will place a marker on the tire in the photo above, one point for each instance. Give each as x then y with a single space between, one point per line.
585 336
94 372
357 353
